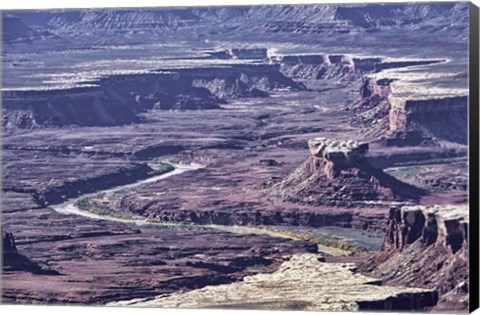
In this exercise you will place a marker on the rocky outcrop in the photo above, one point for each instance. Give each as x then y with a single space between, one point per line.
371 87
14 261
323 66
337 173
445 226
302 283
340 67
8 242
426 246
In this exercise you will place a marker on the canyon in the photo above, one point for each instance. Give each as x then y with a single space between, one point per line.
300 141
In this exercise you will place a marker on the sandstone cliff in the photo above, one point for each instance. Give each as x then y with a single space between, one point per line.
436 117
426 246
404 112
338 66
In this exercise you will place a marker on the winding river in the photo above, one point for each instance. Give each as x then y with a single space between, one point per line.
69 206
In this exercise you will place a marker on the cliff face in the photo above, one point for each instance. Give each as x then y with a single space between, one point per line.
239 81
89 106
426 246
403 118
315 67
443 118
338 173
116 99
443 226
371 87
323 66
342 67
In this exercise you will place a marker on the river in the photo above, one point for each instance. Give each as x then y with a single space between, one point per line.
69 206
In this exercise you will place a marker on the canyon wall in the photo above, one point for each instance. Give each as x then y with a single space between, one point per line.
412 118
443 118
117 99
325 66
86 106
426 246
337 66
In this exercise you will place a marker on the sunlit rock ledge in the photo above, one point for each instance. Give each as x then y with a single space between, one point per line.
302 283
424 82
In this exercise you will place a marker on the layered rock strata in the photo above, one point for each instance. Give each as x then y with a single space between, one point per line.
417 114
426 246
443 118
302 283
337 66
117 99
337 173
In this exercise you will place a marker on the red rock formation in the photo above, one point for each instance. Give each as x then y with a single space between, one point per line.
426 247
338 174
406 118
415 122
